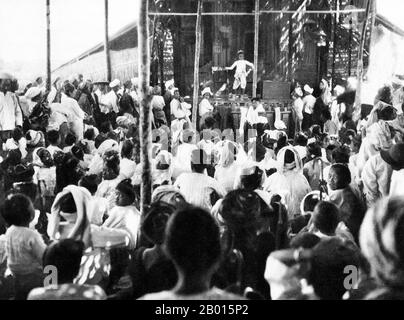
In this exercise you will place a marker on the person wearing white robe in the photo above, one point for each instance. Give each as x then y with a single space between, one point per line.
289 182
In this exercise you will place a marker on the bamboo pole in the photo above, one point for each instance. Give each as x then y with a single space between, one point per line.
48 48
198 37
357 105
334 43
106 42
256 38
145 111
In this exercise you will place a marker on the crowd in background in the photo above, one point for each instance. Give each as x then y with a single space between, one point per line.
279 213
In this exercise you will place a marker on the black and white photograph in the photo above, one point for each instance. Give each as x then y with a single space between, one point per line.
218 151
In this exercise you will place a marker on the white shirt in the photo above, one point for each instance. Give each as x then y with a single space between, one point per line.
205 107
24 248
241 66
109 102
308 104
72 109
10 112
197 188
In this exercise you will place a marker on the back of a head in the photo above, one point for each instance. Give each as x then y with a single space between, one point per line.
90 182
17 210
253 180
314 150
330 258
326 218
155 221
341 155
301 140
192 241
241 209
67 204
17 134
66 256
127 149
53 137
169 195
89 134
70 139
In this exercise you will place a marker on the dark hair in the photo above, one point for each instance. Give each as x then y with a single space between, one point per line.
66 256
341 155
125 187
326 218
89 134
67 204
15 210
53 136
17 134
314 150
90 182
67 172
13 157
209 122
241 211
289 156
192 240
344 175
105 127
310 202
385 95
330 258
301 140
47 161
315 130
111 164
68 89
155 221
70 139
253 181
127 149
304 240
387 113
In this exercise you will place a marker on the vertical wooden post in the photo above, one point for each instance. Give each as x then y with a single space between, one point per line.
106 43
145 111
372 27
359 74
256 38
198 37
334 42
48 48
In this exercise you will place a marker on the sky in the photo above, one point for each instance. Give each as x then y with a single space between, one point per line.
77 25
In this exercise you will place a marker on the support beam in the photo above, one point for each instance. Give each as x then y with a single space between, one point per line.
145 111
256 39
198 38
334 43
48 48
359 74
106 42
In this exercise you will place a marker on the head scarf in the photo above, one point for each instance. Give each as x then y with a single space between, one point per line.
380 242
81 230
296 165
160 175
35 138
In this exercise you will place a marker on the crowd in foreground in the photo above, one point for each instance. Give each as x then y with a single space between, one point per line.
264 216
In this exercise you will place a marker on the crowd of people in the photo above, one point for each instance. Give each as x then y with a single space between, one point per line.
263 215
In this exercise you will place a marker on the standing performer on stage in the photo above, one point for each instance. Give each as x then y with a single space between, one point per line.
240 77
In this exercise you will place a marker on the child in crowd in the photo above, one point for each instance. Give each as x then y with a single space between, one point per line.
24 246
66 256
125 215
54 141
70 141
17 141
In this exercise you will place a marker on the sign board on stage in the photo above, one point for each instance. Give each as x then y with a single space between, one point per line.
276 90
